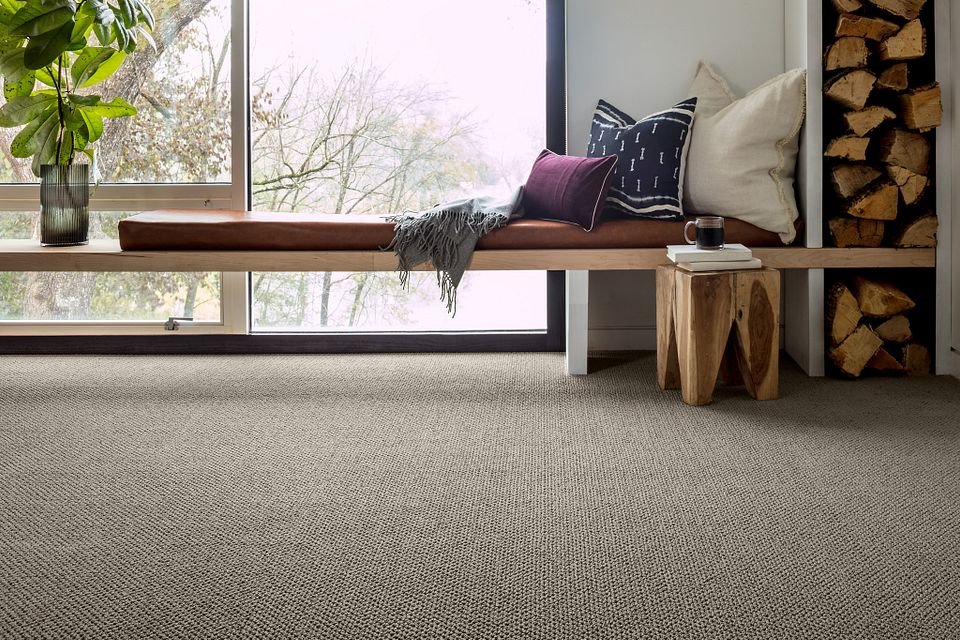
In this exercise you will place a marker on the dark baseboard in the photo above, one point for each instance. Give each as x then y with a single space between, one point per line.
279 344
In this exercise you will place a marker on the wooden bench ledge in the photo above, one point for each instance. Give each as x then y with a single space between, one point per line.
105 255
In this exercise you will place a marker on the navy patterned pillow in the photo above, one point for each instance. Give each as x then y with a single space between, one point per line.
651 156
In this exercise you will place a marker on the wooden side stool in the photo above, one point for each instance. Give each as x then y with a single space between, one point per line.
718 323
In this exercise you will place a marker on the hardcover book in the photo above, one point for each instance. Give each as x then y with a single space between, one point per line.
690 253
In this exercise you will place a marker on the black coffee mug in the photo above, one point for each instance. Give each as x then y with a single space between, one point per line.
709 232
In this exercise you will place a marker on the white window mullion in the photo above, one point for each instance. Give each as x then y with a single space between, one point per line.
235 292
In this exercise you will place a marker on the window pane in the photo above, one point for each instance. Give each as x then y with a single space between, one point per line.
336 302
384 114
108 297
181 132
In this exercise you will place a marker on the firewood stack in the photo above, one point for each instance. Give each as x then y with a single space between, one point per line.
880 111
870 331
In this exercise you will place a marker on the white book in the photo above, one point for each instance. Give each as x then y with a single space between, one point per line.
690 253
727 265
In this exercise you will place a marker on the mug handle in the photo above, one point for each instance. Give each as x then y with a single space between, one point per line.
686 228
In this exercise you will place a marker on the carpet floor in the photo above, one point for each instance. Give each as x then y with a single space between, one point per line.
473 497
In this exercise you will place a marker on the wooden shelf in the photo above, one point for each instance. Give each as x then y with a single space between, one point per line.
105 255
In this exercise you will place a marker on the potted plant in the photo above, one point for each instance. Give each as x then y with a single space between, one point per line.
52 53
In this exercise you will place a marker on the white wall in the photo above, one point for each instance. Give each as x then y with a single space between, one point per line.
641 56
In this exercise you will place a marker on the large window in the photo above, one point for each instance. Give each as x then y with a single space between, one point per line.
368 108
400 106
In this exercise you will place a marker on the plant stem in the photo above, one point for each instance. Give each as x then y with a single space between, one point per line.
57 82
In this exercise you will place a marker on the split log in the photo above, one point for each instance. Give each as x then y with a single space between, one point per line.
912 185
880 299
852 89
866 120
909 43
921 108
884 363
896 329
906 9
847 6
860 27
847 53
848 148
905 149
843 313
916 359
849 179
848 232
894 78
922 232
880 202
852 356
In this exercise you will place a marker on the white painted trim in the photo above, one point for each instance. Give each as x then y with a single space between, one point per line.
104 329
578 322
129 197
234 303
803 292
803 319
946 205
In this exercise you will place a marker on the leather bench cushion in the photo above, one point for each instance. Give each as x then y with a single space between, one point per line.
259 231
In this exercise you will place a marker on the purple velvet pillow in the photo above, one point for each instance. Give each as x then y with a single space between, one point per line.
567 188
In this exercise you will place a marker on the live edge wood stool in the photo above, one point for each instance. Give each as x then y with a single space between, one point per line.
718 324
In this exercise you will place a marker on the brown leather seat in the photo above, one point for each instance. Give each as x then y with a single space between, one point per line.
260 231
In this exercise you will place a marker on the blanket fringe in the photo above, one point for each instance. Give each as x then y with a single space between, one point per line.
437 236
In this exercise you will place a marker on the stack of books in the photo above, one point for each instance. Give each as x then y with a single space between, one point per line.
730 258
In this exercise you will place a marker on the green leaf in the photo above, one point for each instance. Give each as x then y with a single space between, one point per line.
22 110
44 76
81 28
27 142
11 6
116 108
80 139
128 13
106 69
145 15
11 65
83 101
42 50
47 151
94 124
36 18
123 37
88 62
103 32
149 38
20 88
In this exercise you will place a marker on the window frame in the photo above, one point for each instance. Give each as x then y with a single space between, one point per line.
233 333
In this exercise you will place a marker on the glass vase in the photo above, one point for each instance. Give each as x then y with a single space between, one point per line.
64 204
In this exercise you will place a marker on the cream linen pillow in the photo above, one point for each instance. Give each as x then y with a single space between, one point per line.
743 152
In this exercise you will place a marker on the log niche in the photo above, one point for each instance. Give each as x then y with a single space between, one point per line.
880 109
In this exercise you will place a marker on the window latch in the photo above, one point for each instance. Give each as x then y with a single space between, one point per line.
172 323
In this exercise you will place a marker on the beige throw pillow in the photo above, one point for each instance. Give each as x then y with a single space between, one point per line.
743 152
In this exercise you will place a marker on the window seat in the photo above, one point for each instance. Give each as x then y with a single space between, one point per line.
239 241
256 231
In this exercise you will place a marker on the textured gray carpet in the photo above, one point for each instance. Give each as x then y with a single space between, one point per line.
468 497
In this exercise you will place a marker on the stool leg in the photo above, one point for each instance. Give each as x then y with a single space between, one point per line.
758 332
668 367
703 319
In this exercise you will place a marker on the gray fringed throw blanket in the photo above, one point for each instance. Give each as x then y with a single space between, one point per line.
446 235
